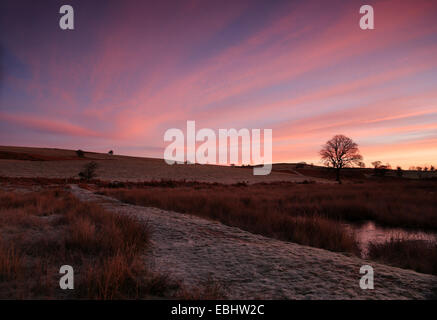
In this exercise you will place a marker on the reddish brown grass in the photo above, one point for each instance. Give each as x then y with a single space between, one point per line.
308 214
105 250
407 204
112 278
304 213
94 230
11 262
417 255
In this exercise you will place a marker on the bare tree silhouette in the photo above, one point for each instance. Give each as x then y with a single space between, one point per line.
340 152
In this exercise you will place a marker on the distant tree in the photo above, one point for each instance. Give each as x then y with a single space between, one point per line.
361 164
431 168
399 172
419 168
80 153
340 152
376 164
380 169
89 171
425 169
110 152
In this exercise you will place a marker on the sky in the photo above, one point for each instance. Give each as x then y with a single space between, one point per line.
130 70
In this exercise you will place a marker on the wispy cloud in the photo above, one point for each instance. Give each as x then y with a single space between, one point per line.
304 69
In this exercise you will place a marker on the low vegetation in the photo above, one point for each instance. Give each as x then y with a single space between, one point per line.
89 171
40 231
417 255
43 230
310 214
406 204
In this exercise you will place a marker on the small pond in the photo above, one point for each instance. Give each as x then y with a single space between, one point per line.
370 232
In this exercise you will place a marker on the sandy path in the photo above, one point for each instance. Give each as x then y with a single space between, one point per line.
194 249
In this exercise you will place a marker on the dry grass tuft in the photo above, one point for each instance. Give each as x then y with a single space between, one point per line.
111 278
11 262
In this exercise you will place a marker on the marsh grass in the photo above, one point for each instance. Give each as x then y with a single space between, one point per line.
40 231
405 204
417 255
103 248
309 214
11 262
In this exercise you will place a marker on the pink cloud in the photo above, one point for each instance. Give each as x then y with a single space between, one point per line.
47 126
306 79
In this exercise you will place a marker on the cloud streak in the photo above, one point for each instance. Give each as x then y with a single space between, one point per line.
133 69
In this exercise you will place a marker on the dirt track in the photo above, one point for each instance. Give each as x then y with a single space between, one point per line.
193 250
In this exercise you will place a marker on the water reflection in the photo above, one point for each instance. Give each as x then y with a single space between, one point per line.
370 232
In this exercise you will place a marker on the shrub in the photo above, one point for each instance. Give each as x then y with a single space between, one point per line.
80 153
89 171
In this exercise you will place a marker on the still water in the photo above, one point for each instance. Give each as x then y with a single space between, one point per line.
370 232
